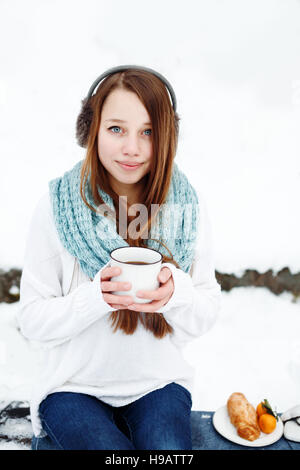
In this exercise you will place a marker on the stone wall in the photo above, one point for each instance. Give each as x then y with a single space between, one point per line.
10 285
277 283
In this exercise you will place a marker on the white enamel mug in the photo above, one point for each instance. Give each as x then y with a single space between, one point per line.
141 276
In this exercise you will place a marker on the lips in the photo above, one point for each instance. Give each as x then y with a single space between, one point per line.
129 165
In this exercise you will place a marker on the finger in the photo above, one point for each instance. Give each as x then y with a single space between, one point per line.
117 299
119 307
164 275
109 272
151 307
157 294
108 286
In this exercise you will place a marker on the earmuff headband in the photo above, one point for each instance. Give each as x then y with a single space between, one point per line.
85 117
121 68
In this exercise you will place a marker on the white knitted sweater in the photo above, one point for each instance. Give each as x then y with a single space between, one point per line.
63 314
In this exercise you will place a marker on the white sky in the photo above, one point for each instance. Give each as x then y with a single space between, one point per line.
235 69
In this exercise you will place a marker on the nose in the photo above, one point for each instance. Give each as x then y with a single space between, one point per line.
131 145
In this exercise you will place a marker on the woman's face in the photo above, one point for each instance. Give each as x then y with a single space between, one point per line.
125 137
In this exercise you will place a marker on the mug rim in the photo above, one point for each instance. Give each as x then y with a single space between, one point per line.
143 247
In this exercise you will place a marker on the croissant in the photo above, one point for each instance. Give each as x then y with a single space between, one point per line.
243 416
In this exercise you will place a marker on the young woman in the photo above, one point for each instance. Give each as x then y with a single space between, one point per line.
112 372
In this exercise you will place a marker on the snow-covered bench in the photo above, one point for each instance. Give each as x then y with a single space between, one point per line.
16 432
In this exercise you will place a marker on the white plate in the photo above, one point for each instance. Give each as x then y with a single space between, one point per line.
222 424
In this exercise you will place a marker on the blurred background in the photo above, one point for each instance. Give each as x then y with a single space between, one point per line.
235 69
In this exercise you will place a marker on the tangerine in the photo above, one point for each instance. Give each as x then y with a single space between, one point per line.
261 409
267 423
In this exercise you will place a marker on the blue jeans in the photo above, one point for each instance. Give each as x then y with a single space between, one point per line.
158 420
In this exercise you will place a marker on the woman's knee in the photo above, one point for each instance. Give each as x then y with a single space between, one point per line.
81 423
171 403
162 420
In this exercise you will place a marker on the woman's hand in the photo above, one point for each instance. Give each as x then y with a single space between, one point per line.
159 296
120 302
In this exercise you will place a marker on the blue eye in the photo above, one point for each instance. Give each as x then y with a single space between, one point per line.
112 128
115 127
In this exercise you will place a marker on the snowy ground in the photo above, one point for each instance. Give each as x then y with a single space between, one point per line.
254 348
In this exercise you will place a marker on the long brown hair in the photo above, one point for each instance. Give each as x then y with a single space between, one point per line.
154 96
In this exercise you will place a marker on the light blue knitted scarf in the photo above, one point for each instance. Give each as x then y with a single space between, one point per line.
90 236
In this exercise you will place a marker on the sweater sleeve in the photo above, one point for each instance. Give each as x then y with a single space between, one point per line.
193 308
45 315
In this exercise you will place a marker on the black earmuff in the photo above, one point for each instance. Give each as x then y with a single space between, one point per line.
86 114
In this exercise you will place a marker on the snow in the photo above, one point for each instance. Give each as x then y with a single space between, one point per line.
13 446
253 348
236 73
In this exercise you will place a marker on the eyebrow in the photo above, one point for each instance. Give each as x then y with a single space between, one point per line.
122 122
